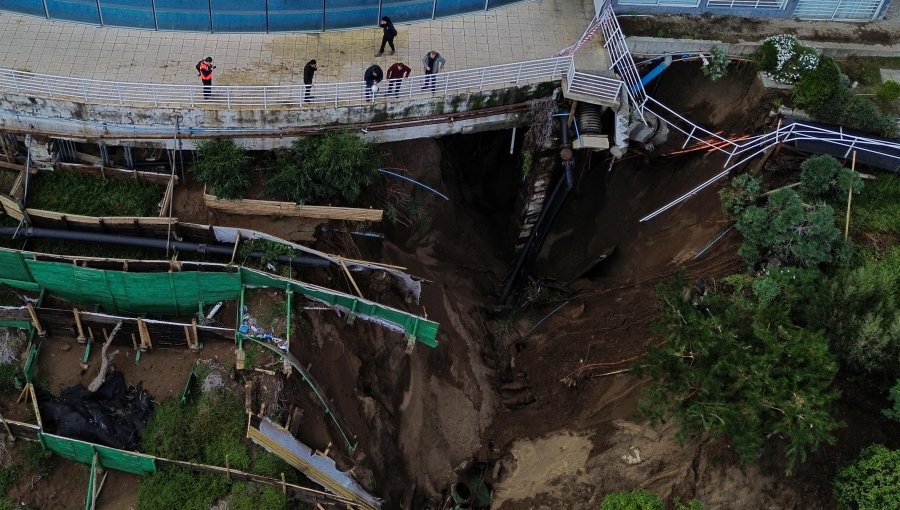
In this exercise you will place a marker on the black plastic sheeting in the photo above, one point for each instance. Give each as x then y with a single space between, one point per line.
112 416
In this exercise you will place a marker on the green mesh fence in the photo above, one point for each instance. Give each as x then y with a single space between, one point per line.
179 293
110 458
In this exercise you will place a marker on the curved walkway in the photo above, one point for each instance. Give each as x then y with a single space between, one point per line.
520 32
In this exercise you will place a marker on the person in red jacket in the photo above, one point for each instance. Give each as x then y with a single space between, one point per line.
395 75
206 71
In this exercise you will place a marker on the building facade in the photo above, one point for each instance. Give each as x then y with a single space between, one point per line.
254 16
837 10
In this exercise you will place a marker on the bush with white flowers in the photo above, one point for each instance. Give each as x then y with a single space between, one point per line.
783 58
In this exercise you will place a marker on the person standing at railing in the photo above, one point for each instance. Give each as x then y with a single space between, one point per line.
395 75
206 72
373 77
433 63
309 70
388 34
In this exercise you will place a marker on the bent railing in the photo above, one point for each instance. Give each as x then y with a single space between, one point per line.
319 95
741 153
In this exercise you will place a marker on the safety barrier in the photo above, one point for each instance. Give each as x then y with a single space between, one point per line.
740 153
620 57
275 96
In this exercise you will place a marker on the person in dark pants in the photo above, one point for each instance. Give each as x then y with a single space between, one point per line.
395 76
389 32
373 77
206 72
433 63
309 70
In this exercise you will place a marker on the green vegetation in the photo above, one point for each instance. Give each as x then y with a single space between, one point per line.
784 59
859 309
324 168
733 365
223 166
206 430
637 499
894 412
72 192
866 70
817 85
785 230
876 209
870 483
888 92
717 66
271 250
826 177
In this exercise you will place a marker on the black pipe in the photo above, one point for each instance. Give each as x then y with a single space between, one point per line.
564 130
149 242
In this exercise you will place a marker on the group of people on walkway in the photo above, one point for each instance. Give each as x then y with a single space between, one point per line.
432 64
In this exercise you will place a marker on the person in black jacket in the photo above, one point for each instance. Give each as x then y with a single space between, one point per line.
389 32
309 70
373 77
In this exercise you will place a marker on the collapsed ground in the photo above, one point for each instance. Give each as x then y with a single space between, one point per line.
493 391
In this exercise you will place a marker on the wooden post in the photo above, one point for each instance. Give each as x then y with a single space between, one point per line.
35 322
196 346
227 467
849 199
9 433
146 344
81 338
283 484
237 242
187 336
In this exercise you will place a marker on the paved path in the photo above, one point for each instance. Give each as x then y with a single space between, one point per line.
524 31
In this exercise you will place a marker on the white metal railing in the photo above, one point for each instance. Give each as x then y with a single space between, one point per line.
593 85
748 4
741 153
620 56
322 94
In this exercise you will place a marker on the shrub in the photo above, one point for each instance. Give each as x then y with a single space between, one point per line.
717 66
888 92
855 112
637 499
745 191
247 496
825 177
223 166
787 231
859 310
783 59
729 366
815 86
324 167
870 483
864 71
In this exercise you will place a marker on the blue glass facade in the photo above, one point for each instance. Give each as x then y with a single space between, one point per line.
246 15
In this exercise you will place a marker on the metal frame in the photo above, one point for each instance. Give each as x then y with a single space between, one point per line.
620 57
324 94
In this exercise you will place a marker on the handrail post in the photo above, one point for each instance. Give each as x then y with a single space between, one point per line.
15 75
519 75
47 87
83 89
155 97
446 84
119 92
265 98
228 96
191 94
481 83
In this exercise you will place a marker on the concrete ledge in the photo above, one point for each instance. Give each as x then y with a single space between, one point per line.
656 46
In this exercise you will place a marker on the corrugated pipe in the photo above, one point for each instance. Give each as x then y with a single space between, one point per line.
149 242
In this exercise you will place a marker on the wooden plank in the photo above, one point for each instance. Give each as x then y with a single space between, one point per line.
115 172
10 207
270 208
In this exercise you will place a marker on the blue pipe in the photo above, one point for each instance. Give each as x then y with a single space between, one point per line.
656 71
